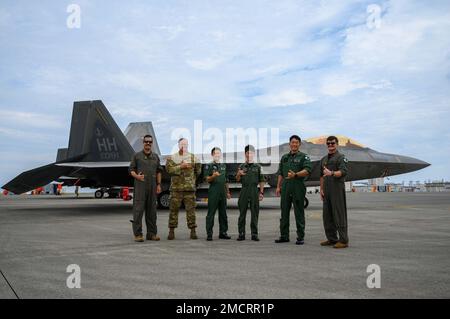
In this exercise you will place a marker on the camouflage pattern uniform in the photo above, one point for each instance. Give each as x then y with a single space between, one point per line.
182 187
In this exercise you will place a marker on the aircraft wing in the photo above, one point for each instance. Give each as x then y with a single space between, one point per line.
98 151
36 178
94 164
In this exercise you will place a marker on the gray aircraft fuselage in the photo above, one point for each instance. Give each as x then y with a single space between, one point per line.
99 153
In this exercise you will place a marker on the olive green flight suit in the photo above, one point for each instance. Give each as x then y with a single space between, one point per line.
144 193
182 187
249 196
217 197
334 203
293 192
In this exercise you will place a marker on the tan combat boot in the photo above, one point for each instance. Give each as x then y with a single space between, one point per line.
340 245
139 239
153 237
193 234
171 234
327 243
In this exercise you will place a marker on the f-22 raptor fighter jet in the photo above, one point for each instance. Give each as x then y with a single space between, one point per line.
99 154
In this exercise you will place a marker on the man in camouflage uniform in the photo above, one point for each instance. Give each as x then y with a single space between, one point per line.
294 167
332 190
184 169
250 175
146 170
218 193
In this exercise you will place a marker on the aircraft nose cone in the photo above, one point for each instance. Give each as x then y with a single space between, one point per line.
423 164
413 164
415 161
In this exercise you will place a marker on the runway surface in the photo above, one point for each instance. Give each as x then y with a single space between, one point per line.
406 234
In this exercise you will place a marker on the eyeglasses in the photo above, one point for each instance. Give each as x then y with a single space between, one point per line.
331 143
148 142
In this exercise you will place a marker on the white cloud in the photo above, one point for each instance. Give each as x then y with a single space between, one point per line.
218 35
270 69
178 88
172 31
138 113
28 119
339 85
189 60
285 98
410 38
50 79
206 64
128 80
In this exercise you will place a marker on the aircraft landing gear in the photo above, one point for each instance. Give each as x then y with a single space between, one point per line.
112 192
163 200
99 193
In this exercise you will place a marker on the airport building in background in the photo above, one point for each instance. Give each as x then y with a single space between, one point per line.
380 185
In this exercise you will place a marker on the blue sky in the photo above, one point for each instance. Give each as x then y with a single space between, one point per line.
306 67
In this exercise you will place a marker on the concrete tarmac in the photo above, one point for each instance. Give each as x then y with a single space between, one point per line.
406 234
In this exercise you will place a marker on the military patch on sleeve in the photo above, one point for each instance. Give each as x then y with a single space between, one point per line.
345 160
307 157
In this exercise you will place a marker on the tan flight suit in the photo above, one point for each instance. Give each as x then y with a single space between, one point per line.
334 203
144 193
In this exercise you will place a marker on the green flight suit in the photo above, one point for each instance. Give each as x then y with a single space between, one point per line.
217 197
334 203
293 192
144 193
249 196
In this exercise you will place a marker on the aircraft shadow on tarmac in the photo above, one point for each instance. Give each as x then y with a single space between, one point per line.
97 209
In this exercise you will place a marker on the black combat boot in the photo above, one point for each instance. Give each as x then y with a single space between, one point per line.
224 236
281 240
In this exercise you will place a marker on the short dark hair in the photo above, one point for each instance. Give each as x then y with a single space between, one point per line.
215 148
295 137
332 138
250 148
146 136
181 138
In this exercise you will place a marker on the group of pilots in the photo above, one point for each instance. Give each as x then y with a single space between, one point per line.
184 169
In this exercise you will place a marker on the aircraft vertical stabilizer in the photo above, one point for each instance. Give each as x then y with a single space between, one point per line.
95 135
136 131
